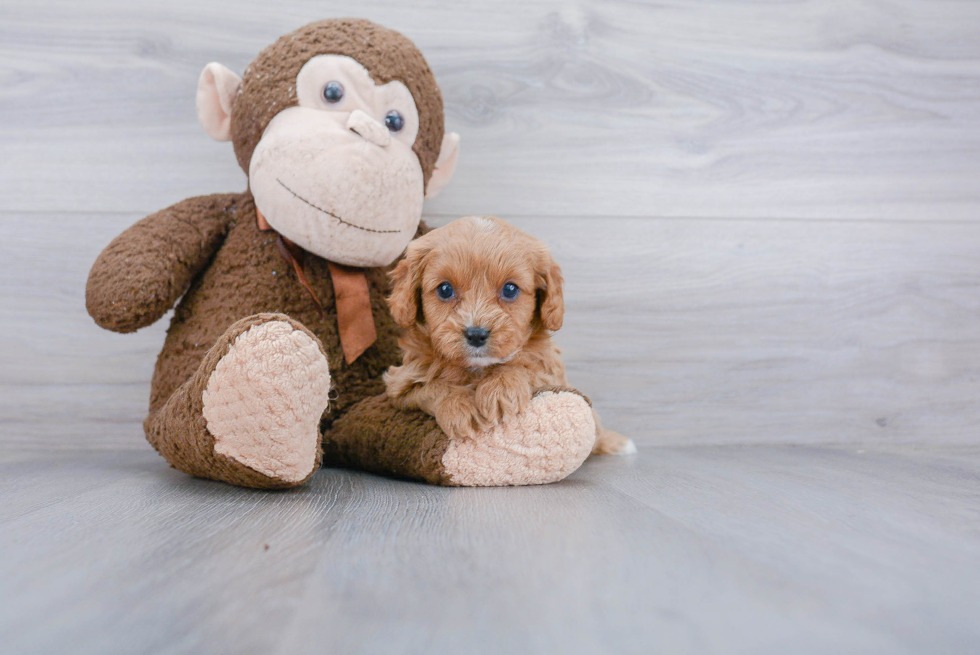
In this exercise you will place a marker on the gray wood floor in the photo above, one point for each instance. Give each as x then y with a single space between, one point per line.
716 549
768 214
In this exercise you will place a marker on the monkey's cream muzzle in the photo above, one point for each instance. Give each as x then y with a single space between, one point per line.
330 176
329 182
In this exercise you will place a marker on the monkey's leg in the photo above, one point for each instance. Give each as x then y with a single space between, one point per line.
543 444
250 414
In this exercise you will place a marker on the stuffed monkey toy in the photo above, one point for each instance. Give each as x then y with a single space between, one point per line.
274 357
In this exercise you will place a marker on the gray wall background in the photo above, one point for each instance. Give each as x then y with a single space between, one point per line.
767 212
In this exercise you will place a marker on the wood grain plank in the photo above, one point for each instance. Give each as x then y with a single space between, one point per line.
690 331
570 568
686 550
746 109
154 561
883 538
732 331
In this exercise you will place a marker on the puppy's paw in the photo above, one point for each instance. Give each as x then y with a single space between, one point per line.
499 400
397 382
458 416
460 425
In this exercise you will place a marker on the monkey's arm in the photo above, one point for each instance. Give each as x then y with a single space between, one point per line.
143 271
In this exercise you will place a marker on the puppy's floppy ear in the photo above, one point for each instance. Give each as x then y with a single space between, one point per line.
551 303
406 280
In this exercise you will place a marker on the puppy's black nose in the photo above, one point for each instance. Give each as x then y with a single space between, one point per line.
476 336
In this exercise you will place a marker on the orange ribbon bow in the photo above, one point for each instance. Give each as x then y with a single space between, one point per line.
355 322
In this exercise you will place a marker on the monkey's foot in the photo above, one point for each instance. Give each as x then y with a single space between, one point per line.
250 415
544 443
264 401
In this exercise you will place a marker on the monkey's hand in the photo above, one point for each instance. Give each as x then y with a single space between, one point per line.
143 271
503 394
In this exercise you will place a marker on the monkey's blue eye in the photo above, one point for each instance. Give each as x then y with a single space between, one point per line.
333 92
394 121
510 291
445 291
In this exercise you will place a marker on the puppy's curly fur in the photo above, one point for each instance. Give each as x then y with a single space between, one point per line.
479 300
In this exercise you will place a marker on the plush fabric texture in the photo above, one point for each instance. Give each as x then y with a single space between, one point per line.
375 436
361 95
326 189
385 53
143 271
178 429
264 400
216 90
445 165
368 128
331 177
352 294
210 250
543 445
248 276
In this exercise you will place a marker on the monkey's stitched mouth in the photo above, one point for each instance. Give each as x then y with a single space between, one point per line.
338 218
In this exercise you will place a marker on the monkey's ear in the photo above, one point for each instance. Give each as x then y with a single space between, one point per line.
445 165
406 280
216 91
551 301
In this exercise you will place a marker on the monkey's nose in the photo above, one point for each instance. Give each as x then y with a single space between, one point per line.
360 123
476 336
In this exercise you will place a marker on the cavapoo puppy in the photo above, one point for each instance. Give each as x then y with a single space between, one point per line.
479 299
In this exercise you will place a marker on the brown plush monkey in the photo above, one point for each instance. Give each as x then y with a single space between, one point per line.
275 353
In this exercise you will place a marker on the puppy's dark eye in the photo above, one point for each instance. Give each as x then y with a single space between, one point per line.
510 291
333 92
394 121
445 291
